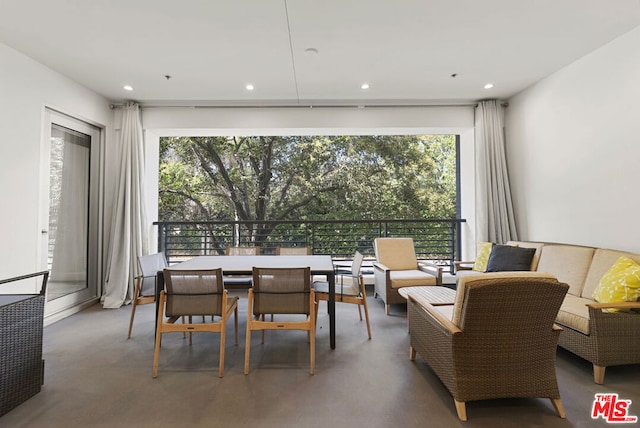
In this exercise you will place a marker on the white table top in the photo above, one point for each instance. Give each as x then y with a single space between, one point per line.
319 264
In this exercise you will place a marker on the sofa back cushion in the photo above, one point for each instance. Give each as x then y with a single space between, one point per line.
396 253
568 263
536 256
603 259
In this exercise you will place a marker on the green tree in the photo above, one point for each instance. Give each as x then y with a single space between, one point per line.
307 177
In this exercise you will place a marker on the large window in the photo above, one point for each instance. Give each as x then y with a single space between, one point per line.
308 177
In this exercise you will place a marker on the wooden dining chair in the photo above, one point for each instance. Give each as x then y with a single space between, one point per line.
349 289
293 251
240 281
145 290
281 291
191 293
242 251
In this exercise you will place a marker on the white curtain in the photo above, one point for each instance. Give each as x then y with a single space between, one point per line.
495 218
129 237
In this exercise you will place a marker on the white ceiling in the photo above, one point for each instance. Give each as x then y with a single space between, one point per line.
406 50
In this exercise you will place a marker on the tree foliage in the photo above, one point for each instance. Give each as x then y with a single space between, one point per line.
307 177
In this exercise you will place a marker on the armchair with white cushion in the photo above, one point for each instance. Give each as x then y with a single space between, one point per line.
397 266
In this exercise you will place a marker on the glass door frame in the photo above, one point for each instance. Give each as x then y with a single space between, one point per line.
78 300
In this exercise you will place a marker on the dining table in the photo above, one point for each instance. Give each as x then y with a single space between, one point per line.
321 265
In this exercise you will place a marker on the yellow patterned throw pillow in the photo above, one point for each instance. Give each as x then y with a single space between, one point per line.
483 251
621 283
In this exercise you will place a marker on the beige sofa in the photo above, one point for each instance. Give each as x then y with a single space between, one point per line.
602 338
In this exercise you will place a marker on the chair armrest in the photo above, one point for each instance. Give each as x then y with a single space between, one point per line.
463 265
618 305
380 266
435 314
432 269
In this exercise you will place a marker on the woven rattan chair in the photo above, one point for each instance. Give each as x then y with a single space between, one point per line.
396 266
145 291
293 251
194 292
281 291
349 289
497 341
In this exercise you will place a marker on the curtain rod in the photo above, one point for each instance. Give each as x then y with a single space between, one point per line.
309 106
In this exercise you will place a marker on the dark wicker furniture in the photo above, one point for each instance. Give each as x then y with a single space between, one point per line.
21 325
497 341
589 330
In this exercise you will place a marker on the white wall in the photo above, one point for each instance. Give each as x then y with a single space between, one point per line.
573 148
26 88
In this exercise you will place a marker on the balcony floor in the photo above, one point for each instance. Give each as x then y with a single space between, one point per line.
94 376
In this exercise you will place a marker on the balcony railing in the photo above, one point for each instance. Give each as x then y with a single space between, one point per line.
437 240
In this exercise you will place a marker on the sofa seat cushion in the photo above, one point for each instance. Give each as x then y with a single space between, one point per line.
409 278
574 313
446 311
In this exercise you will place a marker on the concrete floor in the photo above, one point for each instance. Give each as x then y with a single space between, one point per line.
95 377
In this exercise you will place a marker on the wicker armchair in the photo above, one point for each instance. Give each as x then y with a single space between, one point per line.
396 266
498 340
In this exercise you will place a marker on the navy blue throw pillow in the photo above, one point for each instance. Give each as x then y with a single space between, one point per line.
510 258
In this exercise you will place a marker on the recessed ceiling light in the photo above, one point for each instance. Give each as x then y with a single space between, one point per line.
364 86
488 86
311 51
127 88
249 87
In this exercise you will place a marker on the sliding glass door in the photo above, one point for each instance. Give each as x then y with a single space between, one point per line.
70 238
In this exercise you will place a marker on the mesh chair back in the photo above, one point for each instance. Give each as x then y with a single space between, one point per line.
356 264
193 292
149 266
242 251
354 278
293 251
281 290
